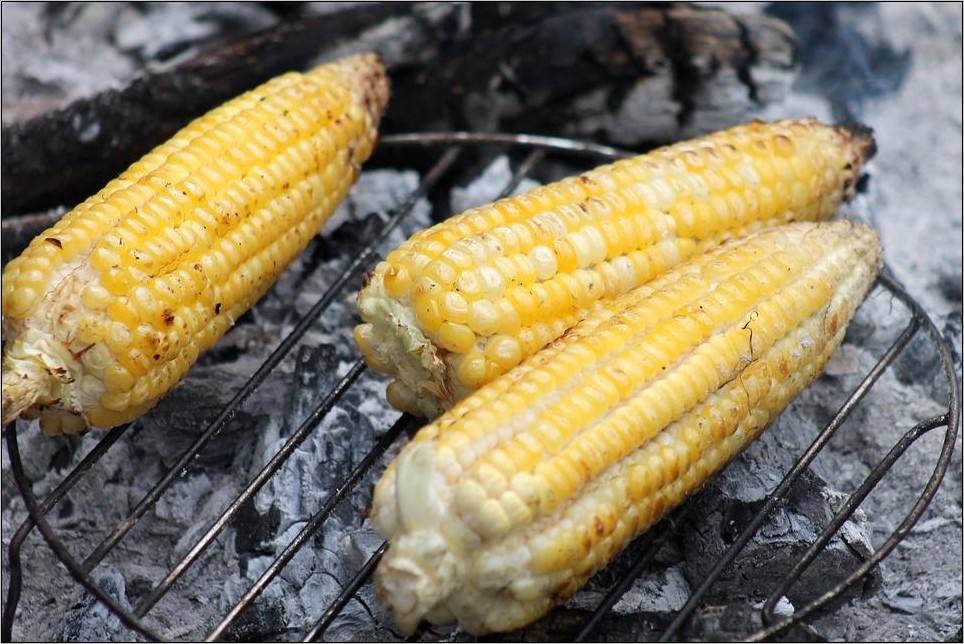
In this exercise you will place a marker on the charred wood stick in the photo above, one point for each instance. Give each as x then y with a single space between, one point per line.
629 75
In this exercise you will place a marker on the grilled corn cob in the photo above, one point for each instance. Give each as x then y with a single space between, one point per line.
107 310
509 502
465 301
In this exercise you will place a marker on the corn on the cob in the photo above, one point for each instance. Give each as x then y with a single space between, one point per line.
465 301
506 504
107 310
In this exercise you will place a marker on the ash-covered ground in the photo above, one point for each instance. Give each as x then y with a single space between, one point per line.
896 67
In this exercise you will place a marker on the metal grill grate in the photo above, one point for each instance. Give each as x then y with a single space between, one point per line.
452 146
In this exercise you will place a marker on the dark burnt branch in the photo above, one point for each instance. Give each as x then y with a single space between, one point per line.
626 74
602 72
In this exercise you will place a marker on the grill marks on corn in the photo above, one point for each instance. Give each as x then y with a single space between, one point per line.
233 216
620 369
157 266
634 493
636 407
496 283
664 469
96 216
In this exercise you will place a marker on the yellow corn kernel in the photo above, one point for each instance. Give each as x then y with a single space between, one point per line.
471 367
589 442
552 254
154 268
456 338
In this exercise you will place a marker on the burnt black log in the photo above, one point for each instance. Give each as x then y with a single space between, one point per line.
628 75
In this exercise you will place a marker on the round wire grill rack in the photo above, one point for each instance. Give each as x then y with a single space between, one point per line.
452 146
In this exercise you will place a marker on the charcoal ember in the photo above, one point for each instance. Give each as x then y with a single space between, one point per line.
564 624
660 590
141 578
919 363
950 284
336 446
254 530
267 615
265 620
368 619
360 545
39 454
183 415
88 620
728 622
362 619
304 483
314 377
845 362
734 622
336 436
381 192
664 592
782 538
325 459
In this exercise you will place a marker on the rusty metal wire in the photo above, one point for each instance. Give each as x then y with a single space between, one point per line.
453 144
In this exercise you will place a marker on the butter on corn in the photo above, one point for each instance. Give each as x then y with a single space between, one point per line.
466 300
107 310
506 504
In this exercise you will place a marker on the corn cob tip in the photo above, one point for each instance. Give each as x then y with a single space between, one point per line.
401 343
369 69
863 138
39 383
422 567
861 147
416 576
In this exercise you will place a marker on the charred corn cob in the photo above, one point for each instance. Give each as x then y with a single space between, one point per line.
510 501
465 301
107 310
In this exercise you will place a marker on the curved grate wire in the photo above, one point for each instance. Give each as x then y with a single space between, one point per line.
453 145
